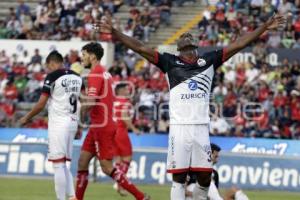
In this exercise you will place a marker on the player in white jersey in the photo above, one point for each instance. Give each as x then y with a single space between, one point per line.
190 78
62 88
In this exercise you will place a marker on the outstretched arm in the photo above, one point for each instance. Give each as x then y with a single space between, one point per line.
275 22
137 46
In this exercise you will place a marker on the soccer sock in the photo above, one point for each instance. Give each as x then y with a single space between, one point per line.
124 166
81 183
177 191
200 192
60 180
121 179
70 183
240 195
118 165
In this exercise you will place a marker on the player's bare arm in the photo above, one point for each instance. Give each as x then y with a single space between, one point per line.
86 104
127 120
78 134
274 23
38 107
137 46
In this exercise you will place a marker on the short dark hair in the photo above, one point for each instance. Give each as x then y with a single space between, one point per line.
94 48
215 147
120 86
54 56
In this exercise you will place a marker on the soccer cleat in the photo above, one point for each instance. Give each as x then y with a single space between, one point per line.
120 190
146 197
73 198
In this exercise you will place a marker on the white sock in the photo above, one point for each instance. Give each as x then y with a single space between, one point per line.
177 191
200 192
69 183
60 180
240 195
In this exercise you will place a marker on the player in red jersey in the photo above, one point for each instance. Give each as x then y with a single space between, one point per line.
100 138
123 148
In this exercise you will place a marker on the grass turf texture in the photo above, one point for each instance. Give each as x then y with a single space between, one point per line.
35 189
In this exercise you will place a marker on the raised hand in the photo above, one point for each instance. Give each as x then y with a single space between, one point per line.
104 25
276 22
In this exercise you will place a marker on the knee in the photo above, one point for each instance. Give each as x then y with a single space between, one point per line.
180 178
204 179
106 170
106 167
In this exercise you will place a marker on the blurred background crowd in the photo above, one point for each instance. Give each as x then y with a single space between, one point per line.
250 99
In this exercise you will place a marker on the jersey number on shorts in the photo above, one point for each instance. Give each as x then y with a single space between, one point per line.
73 102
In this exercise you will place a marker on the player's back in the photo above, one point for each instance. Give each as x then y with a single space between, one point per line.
100 87
64 87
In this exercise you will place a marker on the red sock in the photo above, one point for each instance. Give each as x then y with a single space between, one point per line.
124 166
122 180
81 183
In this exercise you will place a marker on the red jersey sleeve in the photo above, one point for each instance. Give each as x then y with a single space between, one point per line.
95 82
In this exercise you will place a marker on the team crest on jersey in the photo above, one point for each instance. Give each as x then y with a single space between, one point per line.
201 62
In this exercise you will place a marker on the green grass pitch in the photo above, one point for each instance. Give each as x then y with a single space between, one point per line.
36 189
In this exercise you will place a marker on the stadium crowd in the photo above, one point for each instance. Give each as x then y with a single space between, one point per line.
275 88
231 18
72 20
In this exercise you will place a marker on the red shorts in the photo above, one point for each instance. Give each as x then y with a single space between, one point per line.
100 142
123 145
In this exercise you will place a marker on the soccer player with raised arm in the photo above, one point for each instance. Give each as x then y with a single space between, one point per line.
62 88
99 141
190 78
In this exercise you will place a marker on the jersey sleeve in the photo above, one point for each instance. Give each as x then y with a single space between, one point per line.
94 85
162 61
217 57
48 83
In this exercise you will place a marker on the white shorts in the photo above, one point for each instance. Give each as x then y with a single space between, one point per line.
189 148
61 136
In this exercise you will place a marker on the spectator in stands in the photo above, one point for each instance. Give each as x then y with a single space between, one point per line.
22 8
219 126
32 90
155 16
296 27
285 7
36 58
181 2
3 30
53 18
4 60
256 7
219 92
14 27
25 58
274 40
165 12
146 22
10 91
